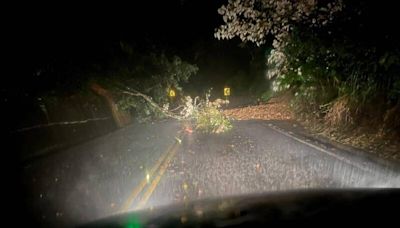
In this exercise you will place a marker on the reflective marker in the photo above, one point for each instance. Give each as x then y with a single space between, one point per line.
171 93
227 91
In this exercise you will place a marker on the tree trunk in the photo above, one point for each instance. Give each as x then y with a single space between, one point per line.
120 117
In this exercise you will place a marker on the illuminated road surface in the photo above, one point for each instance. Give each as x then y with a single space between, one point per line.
151 165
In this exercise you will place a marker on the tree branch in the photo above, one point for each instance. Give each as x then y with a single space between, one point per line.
151 102
180 106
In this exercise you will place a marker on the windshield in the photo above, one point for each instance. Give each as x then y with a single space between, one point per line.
113 109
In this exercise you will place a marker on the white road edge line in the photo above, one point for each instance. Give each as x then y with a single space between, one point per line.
316 147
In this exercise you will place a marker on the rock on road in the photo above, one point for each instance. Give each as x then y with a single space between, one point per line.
151 165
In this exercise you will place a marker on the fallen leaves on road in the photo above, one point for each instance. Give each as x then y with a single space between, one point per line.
270 111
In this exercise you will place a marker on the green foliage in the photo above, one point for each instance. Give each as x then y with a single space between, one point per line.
323 68
207 115
151 74
322 50
140 108
341 61
267 95
211 120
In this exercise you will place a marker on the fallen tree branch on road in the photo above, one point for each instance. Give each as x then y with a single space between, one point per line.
136 93
206 115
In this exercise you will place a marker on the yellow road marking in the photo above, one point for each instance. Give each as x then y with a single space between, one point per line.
156 180
136 191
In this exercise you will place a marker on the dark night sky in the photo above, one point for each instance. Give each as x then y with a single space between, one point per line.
68 30
79 35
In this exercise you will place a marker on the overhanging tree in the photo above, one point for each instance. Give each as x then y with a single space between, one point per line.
326 49
139 83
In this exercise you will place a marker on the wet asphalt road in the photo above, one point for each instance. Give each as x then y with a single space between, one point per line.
151 165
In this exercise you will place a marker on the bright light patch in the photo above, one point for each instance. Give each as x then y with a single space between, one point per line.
227 91
171 93
148 178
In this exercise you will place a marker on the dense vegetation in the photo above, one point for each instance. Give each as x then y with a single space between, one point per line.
152 75
340 59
